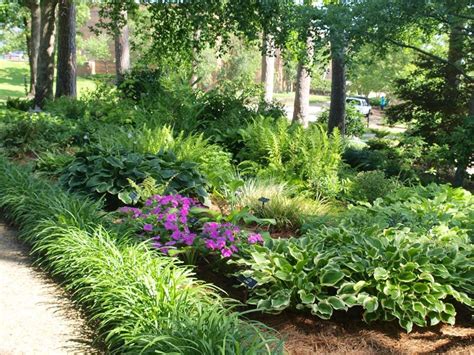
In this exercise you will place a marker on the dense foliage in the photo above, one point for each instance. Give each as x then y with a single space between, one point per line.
99 172
406 257
139 302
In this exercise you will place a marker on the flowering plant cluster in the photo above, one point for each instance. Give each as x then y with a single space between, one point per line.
166 221
169 223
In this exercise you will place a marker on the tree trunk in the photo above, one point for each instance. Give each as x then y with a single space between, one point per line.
45 75
280 76
194 65
337 109
303 86
66 68
122 52
455 57
268 67
34 43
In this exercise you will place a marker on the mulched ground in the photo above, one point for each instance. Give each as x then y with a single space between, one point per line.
306 334
346 333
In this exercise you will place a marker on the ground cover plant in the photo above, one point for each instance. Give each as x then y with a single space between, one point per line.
408 257
139 302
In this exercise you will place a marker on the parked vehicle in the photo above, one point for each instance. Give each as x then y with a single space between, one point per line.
15 55
361 104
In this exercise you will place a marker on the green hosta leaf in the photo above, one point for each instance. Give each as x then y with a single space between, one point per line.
263 305
406 324
370 304
359 285
336 303
420 308
371 316
295 253
322 310
331 277
282 275
380 273
421 288
306 298
449 309
346 288
434 318
407 276
447 318
426 276
410 266
282 264
125 197
102 187
281 300
350 300
260 258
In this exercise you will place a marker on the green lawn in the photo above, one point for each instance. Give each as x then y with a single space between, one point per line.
14 75
288 97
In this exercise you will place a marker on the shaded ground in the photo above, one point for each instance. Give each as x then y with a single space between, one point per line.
36 317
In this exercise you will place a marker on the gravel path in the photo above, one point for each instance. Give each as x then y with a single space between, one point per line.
36 317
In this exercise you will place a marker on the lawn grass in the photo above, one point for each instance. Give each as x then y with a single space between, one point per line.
288 97
14 77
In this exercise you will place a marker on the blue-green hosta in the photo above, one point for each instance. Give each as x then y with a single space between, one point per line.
410 272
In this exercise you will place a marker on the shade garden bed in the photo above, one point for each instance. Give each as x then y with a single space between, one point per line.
316 269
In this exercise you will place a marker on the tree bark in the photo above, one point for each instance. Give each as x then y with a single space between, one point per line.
337 109
268 67
66 68
45 75
122 52
34 43
194 65
280 74
303 86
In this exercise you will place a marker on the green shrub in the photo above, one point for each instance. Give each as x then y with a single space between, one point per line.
24 133
97 172
367 186
355 123
407 258
139 302
19 104
212 161
52 164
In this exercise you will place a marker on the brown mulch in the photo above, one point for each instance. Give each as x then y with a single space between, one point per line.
306 334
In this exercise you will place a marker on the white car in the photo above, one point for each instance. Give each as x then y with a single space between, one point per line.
360 103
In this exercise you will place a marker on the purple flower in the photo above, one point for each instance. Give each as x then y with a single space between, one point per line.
148 227
226 253
210 244
254 238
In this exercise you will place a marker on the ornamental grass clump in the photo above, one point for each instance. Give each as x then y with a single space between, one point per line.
140 303
174 224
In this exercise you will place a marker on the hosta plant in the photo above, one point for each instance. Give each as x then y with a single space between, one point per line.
391 271
97 172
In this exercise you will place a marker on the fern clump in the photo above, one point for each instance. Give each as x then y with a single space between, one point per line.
306 157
